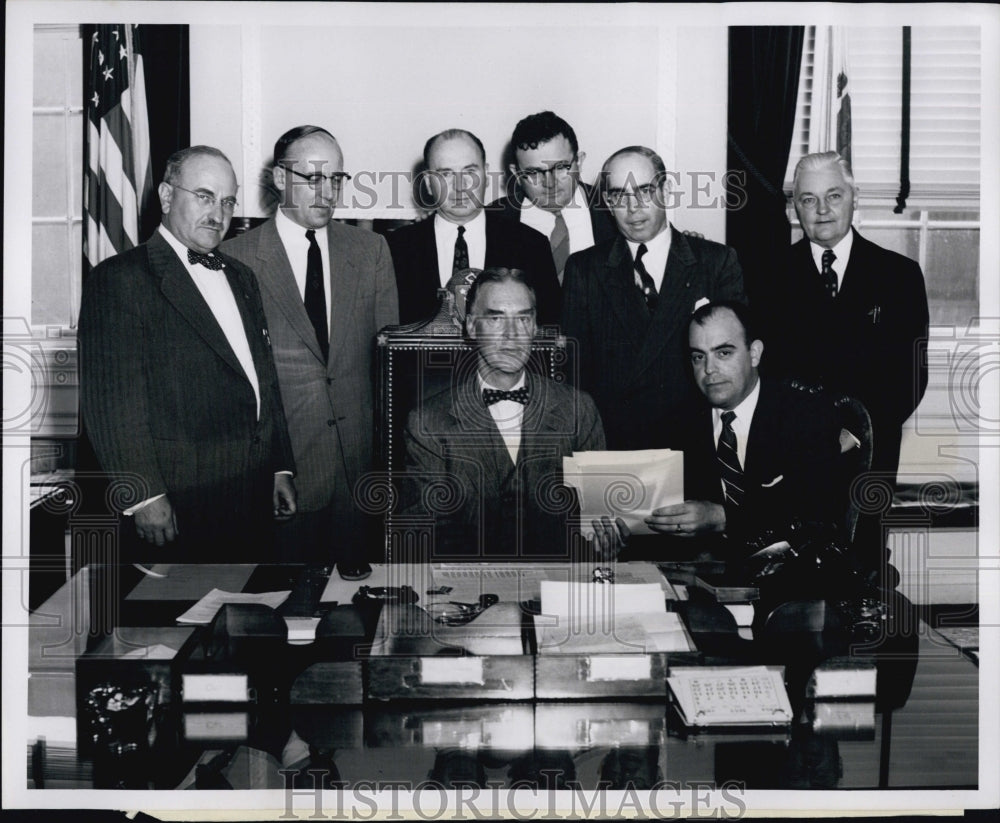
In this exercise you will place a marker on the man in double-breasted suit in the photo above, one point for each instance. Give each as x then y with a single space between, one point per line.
328 289
758 454
548 194
178 388
484 457
626 303
461 234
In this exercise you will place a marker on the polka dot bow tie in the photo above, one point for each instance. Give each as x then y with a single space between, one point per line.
491 396
209 261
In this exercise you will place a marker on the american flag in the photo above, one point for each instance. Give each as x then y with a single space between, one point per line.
117 179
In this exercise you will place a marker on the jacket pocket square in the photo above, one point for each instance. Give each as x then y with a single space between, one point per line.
772 483
704 301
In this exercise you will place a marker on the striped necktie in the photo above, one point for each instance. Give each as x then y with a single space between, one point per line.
729 461
829 275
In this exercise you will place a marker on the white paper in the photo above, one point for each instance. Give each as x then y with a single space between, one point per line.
730 695
591 618
204 611
625 484
157 651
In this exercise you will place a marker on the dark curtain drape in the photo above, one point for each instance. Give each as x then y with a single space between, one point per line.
168 97
764 64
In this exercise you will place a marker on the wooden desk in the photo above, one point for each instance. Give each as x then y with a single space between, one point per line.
929 742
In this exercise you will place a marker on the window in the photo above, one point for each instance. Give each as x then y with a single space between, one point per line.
940 225
56 203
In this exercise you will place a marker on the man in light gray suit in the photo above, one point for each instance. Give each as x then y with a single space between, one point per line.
328 289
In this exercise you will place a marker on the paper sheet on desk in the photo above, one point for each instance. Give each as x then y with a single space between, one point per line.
625 484
592 618
204 611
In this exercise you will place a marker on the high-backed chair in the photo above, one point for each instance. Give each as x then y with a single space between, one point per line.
856 458
416 361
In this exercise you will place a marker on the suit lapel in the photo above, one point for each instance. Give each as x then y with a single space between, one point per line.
760 452
278 281
472 419
345 283
622 299
675 302
179 289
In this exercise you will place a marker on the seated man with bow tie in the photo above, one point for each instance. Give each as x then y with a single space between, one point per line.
484 457
761 453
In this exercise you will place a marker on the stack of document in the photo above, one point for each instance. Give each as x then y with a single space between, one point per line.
625 484
596 618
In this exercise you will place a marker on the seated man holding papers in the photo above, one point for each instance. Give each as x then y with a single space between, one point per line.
484 457
760 453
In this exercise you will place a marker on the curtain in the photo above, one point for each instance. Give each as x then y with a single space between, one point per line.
764 63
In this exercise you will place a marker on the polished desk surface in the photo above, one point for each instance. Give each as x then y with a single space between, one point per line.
927 739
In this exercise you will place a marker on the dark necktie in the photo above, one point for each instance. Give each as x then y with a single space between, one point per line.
491 396
461 260
729 461
209 261
828 274
648 286
315 298
559 241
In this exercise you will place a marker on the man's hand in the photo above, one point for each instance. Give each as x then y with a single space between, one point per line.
284 497
609 538
156 522
688 519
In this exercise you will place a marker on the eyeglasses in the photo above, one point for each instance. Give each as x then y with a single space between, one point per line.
315 180
644 195
810 202
209 200
560 171
496 322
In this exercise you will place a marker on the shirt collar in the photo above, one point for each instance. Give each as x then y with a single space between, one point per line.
445 228
658 246
842 252
744 411
292 234
180 249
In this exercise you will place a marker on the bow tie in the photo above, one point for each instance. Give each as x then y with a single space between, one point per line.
491 396
209 261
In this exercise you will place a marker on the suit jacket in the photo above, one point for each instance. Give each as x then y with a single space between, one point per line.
791 469
165 399
601 220
329 405
508 244
487 506
635 366
867 343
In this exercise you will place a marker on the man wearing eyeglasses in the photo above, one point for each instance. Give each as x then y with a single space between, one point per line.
484 457
627 301
177 383
328 289
548 195
462 235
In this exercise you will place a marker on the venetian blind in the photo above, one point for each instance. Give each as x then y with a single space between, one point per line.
945 110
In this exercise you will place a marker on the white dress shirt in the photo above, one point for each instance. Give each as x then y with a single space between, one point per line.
741 423
655 258
842 254
445 235
576 214
293 238
508 415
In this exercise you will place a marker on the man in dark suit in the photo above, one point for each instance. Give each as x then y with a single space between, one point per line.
849 314
490 447
761 453
548 195
626 303
178 387
461 234
328 289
